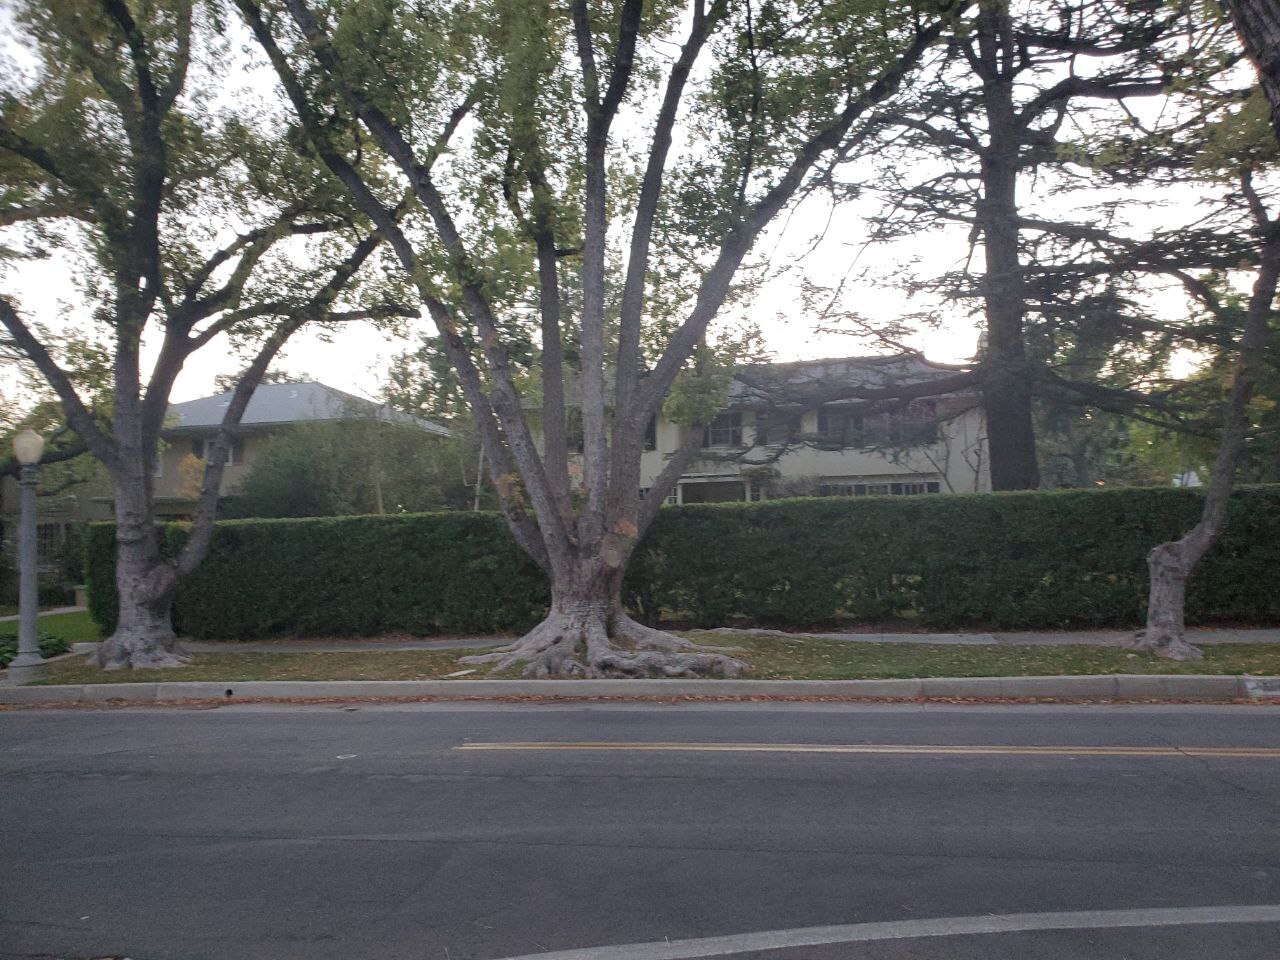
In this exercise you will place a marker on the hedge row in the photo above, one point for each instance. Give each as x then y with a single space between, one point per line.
1021 560
1014 560
418 573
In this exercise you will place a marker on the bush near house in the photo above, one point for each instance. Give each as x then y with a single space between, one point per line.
1015 560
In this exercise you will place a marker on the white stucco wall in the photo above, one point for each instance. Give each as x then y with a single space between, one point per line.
957 461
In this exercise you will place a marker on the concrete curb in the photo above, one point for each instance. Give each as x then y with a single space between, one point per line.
1109 687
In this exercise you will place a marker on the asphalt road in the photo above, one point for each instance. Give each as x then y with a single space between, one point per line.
321 832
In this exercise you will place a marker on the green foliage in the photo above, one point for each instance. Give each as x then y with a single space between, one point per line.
351 467
51 591
50 646
1023 560
418 573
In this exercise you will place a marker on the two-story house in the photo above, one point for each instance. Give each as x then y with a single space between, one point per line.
795 429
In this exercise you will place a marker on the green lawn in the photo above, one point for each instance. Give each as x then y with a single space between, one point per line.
814 658
72 627
375 665
801 658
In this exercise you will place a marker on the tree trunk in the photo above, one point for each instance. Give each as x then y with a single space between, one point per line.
1171 564
1258 24
144 636
1006 389
588 634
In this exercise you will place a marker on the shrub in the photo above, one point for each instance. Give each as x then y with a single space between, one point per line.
420 573
1017 560
50 646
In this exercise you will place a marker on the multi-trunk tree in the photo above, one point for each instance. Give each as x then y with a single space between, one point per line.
184 224
606 169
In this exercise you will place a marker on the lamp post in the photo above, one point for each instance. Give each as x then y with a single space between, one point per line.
28 665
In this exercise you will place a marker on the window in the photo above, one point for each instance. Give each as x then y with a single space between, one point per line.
651 434
903 488
914 487
837 425
914 424
575 436
49 537
235 452
775 429
724 431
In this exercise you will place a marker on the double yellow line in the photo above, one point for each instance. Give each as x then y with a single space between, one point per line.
893 749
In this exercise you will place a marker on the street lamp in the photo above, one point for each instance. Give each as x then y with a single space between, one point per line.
28 665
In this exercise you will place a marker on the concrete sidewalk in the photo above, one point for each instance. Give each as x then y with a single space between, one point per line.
13 617
1034 638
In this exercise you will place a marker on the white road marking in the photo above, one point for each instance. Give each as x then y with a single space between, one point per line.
910 929
1254 753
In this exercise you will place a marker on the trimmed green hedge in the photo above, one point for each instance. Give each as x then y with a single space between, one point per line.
1010 560
1017 560
418 573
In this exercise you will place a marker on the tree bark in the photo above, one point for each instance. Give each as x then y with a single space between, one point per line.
1006 389
144 636
1258 24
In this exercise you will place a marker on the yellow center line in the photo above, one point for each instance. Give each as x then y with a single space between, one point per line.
885 748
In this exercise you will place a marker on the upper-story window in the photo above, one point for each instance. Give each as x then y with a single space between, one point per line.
775 428
913 424
651 434
724 431
234 451
839 425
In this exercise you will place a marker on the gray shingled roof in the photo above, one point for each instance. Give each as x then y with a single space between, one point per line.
770 382
763 384
281 403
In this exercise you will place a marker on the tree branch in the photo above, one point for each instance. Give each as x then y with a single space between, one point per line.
77 414
715 285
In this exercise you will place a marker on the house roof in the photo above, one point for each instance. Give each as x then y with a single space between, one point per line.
800 382
808 380
282 403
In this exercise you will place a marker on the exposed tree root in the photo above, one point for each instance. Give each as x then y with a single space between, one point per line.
1165 643
139 650
591 644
